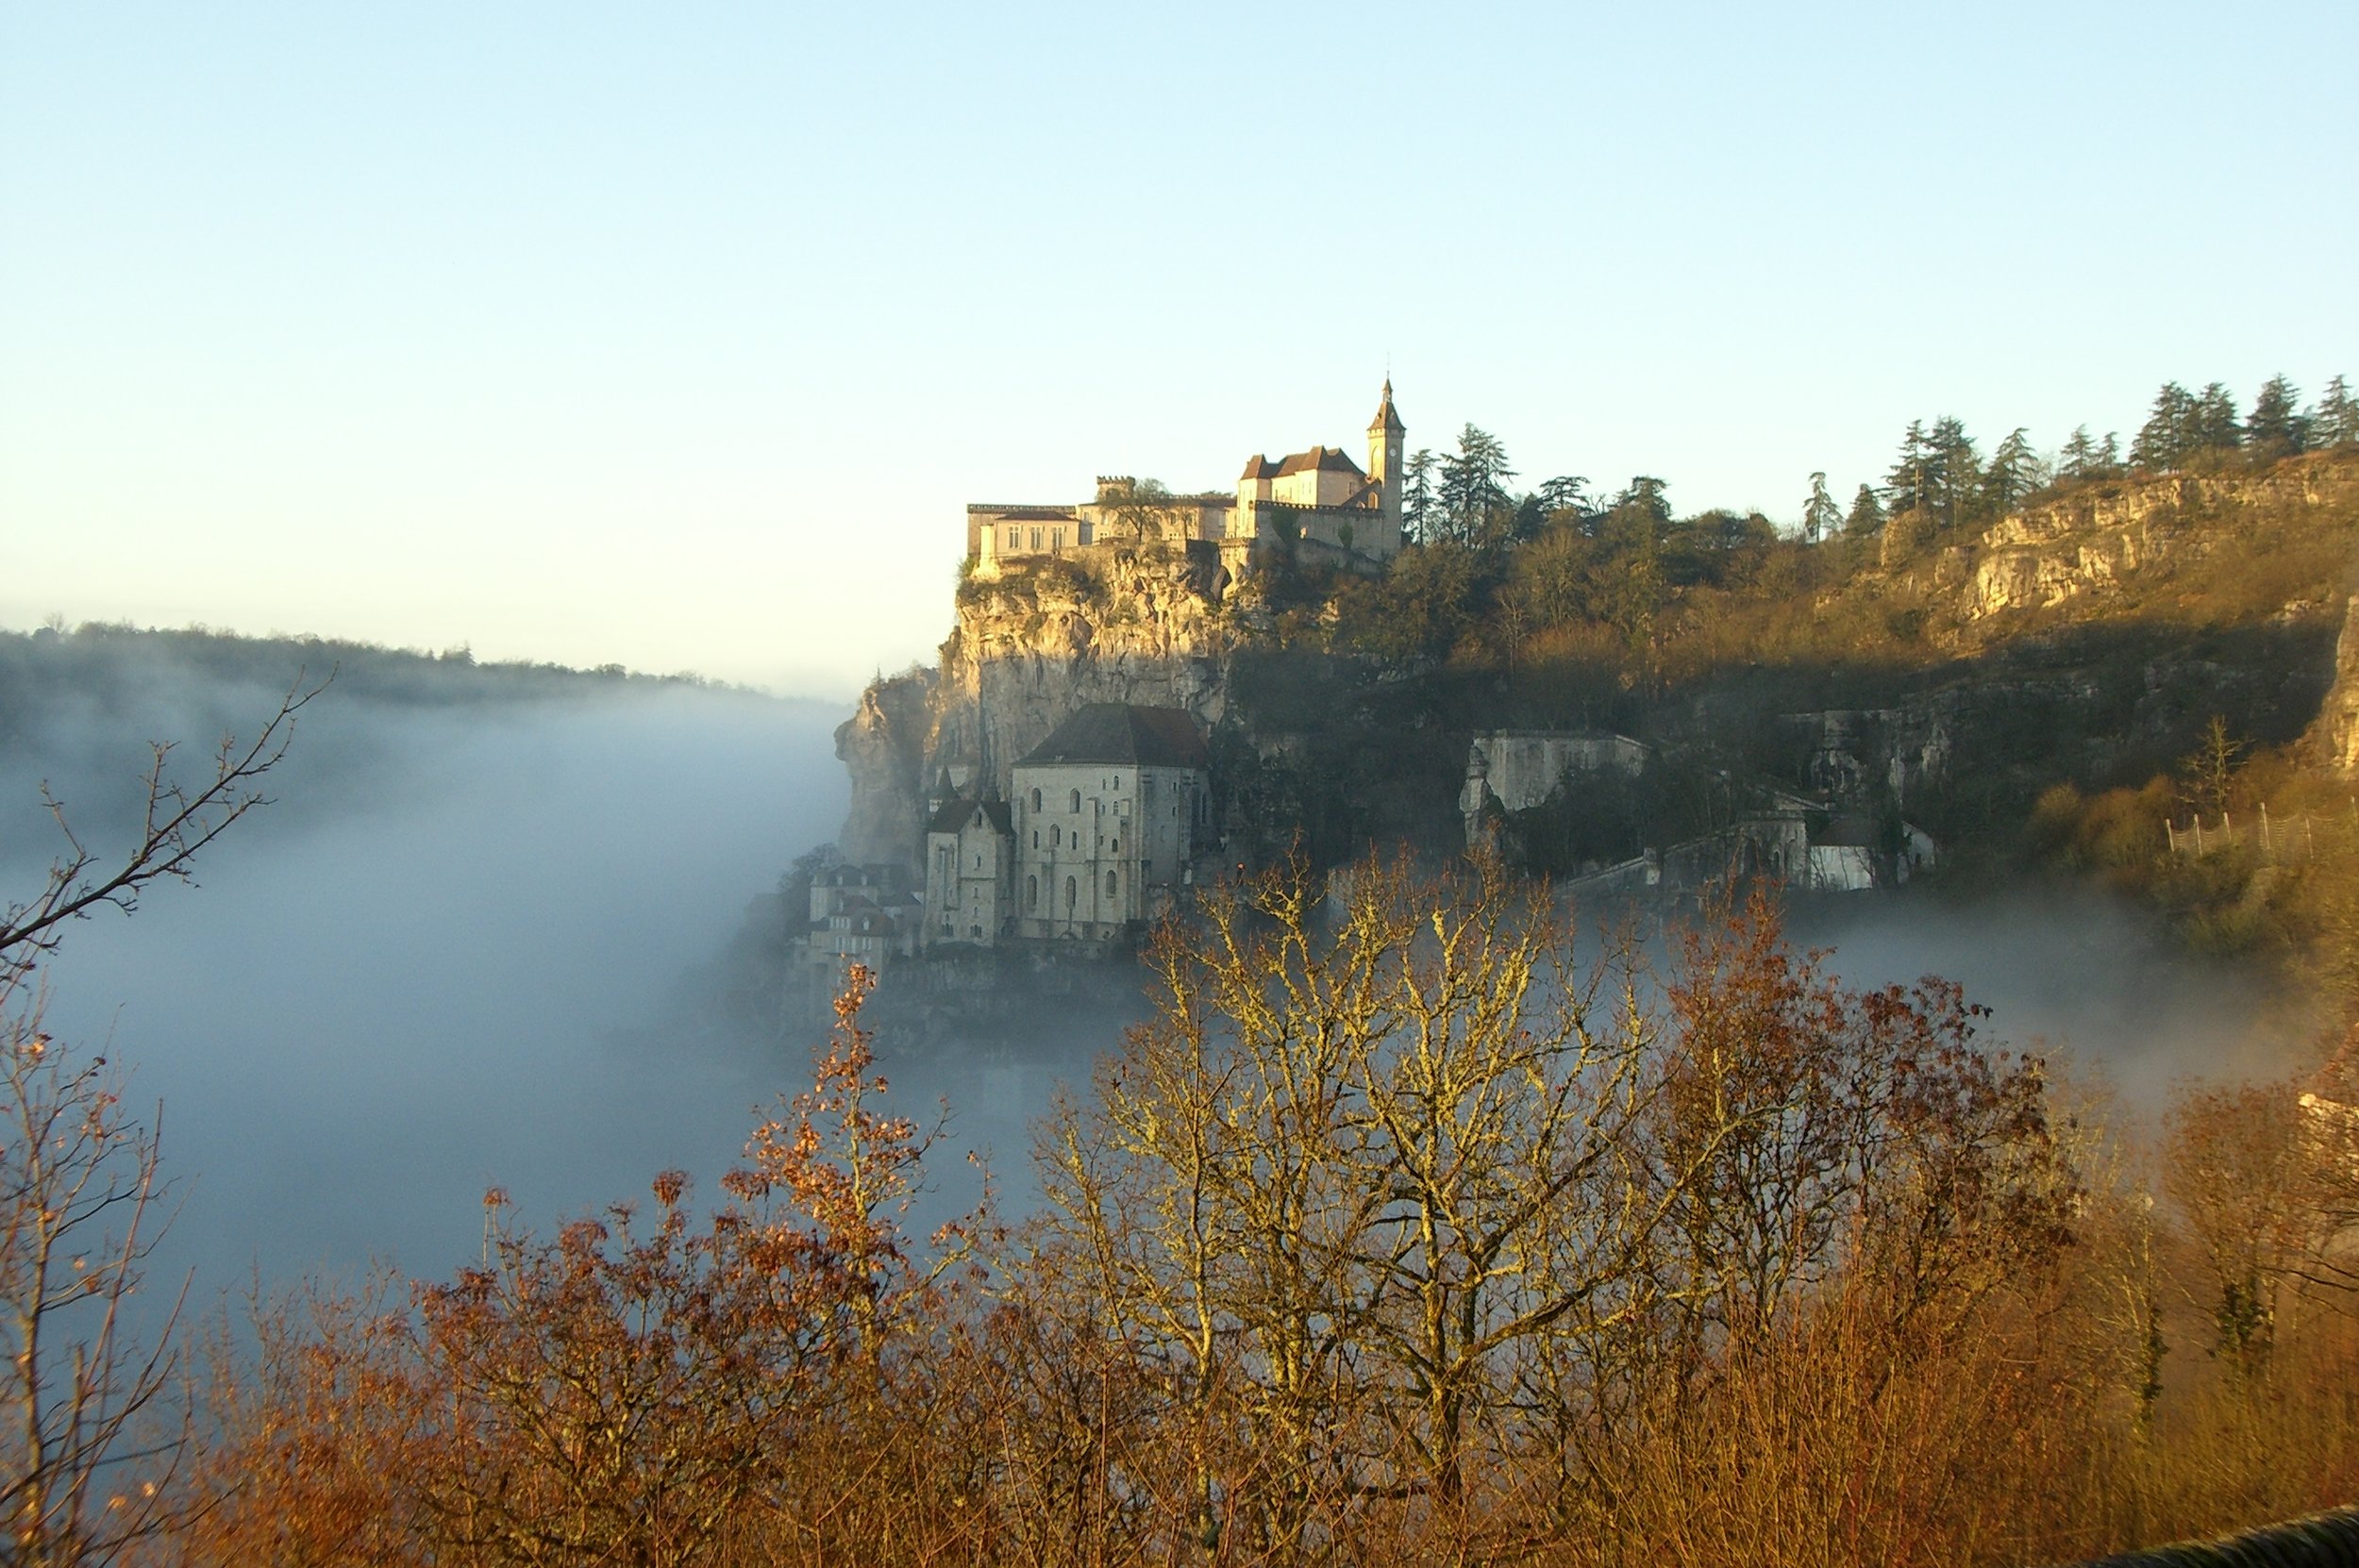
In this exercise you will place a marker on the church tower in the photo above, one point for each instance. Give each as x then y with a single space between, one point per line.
1384 457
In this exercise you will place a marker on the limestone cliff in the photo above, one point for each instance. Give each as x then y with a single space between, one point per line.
1152 627
2337 729
2090 544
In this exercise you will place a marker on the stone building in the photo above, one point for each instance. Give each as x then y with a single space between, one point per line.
969 845
1108 811
1318 501
1108 817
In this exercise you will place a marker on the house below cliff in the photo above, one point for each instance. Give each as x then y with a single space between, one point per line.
1109 816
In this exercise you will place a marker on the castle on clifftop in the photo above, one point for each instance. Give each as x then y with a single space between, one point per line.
1318 502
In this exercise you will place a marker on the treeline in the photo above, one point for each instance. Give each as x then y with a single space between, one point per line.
97 662
1615 589
1421 1231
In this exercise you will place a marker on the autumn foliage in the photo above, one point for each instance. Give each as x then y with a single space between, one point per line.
1412 1223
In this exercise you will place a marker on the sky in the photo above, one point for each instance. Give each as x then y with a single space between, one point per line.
679 336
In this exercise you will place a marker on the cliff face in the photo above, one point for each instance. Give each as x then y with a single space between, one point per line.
2088 544
1153 627
2080 637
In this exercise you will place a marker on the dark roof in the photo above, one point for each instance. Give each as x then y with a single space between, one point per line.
1386 418
1257 467
1848 833
1328 459
956 812
1118 732
1032 514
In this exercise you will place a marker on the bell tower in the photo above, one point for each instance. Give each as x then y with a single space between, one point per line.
1384 457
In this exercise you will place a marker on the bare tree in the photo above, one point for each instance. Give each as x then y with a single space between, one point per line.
177 822
87 1441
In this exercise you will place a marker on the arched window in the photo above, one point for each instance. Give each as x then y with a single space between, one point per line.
1077 801
1031 893
1072 895
1056 838
1111 884
1035 802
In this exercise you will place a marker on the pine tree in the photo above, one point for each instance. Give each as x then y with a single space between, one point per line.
1416 494
1958 467
2276 427
1821 515
1866 515
1907 487
2168 439
2216 426
2335 420
1474 486
2077 460
2015 472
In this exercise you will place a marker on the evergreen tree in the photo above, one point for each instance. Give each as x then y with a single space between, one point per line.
1416 494
1566 494
1956 468
2216 426
2168 439
1907 487
1866 515
1472 492
1821 515
2335 420
2109 454
2015 472
2276 427
2077 460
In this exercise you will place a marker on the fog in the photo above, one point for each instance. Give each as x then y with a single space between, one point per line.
453 954
449 958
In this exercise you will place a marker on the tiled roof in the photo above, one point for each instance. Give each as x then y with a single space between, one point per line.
956 812
1119 732
1257 467
1329 459
1386 418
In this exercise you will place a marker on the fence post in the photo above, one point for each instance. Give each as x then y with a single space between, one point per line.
2170 831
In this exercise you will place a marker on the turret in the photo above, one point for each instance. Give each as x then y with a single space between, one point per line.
1385 433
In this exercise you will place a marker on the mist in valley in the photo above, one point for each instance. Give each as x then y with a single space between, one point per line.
471 946
449 956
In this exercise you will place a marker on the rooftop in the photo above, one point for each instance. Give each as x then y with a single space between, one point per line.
1120 732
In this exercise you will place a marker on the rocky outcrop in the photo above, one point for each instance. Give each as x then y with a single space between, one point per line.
2338 716
883 745
2088 542
1152 627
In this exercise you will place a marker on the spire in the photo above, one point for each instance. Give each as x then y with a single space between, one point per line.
1386 419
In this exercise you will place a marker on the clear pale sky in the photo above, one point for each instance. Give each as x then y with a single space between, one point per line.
680 335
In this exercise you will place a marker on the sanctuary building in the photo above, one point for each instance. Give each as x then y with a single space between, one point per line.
1318 502
1108 814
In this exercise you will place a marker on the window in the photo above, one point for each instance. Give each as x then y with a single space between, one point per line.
1035 538
1031 893
1056 537
1117 782
1056 838
1035 838
979 861
1036 806
1072 895
1112 885
1076 805
1014 535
